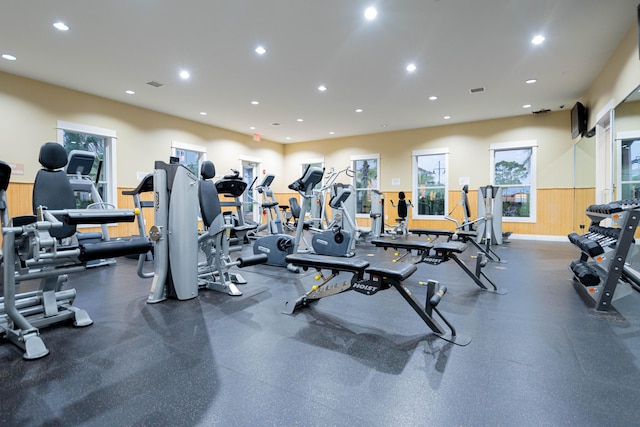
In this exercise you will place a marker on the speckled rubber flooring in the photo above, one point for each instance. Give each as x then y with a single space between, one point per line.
539 355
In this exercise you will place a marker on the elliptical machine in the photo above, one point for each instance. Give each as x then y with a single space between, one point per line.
278 246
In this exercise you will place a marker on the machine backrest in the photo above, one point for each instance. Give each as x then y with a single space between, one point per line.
341 194
5 175
402 205
51 187
208 194
295 207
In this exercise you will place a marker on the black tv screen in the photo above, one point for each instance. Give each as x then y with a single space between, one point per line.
578 120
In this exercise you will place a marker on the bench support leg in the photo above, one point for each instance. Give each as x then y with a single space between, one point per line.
425 312
477 279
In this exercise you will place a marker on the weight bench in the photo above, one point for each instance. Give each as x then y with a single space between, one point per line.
463 236
415 247
368 280
442 252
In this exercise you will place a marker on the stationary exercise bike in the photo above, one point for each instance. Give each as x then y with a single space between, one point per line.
278 246
339 240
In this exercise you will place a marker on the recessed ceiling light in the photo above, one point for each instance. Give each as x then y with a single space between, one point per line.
411 68
299 120
322 88
537 39
383 125
184 74
526 106
433 98
530 81
288 138
129 92
9 57
203 113
252 127
61 26
255 102
446 117
332 133
359 110
261 50
370 13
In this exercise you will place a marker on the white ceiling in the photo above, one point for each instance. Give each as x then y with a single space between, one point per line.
457 45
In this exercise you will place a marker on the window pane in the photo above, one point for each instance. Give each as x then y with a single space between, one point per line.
190 159
366 178
513 167
432 178
516 201
630 190
630 168
95 144
431 201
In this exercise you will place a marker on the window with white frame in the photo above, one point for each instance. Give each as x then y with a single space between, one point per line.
100 141
513 168
189 155
366 172
430 169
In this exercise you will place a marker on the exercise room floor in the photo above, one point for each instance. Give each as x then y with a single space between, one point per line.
539 356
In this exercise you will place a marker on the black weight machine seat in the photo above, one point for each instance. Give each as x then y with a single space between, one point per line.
368 280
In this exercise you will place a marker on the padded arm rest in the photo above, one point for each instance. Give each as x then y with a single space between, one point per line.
397 271
114 248
93 216
354 265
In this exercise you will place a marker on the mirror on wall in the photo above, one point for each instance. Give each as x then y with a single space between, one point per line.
625 161
626 147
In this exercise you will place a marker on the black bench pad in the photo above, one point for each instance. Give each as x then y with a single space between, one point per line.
429 232
408 244
467 234
458 247
354 265
397 271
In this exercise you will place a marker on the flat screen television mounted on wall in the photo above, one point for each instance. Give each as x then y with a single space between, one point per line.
578 120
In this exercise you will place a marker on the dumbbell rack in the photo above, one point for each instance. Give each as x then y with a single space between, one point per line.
608 248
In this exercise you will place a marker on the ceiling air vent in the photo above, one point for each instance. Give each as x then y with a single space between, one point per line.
155 83
476 90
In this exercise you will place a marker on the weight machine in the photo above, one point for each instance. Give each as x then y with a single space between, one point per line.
45 247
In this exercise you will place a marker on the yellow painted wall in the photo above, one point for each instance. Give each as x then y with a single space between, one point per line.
29 111
468 145
619 77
